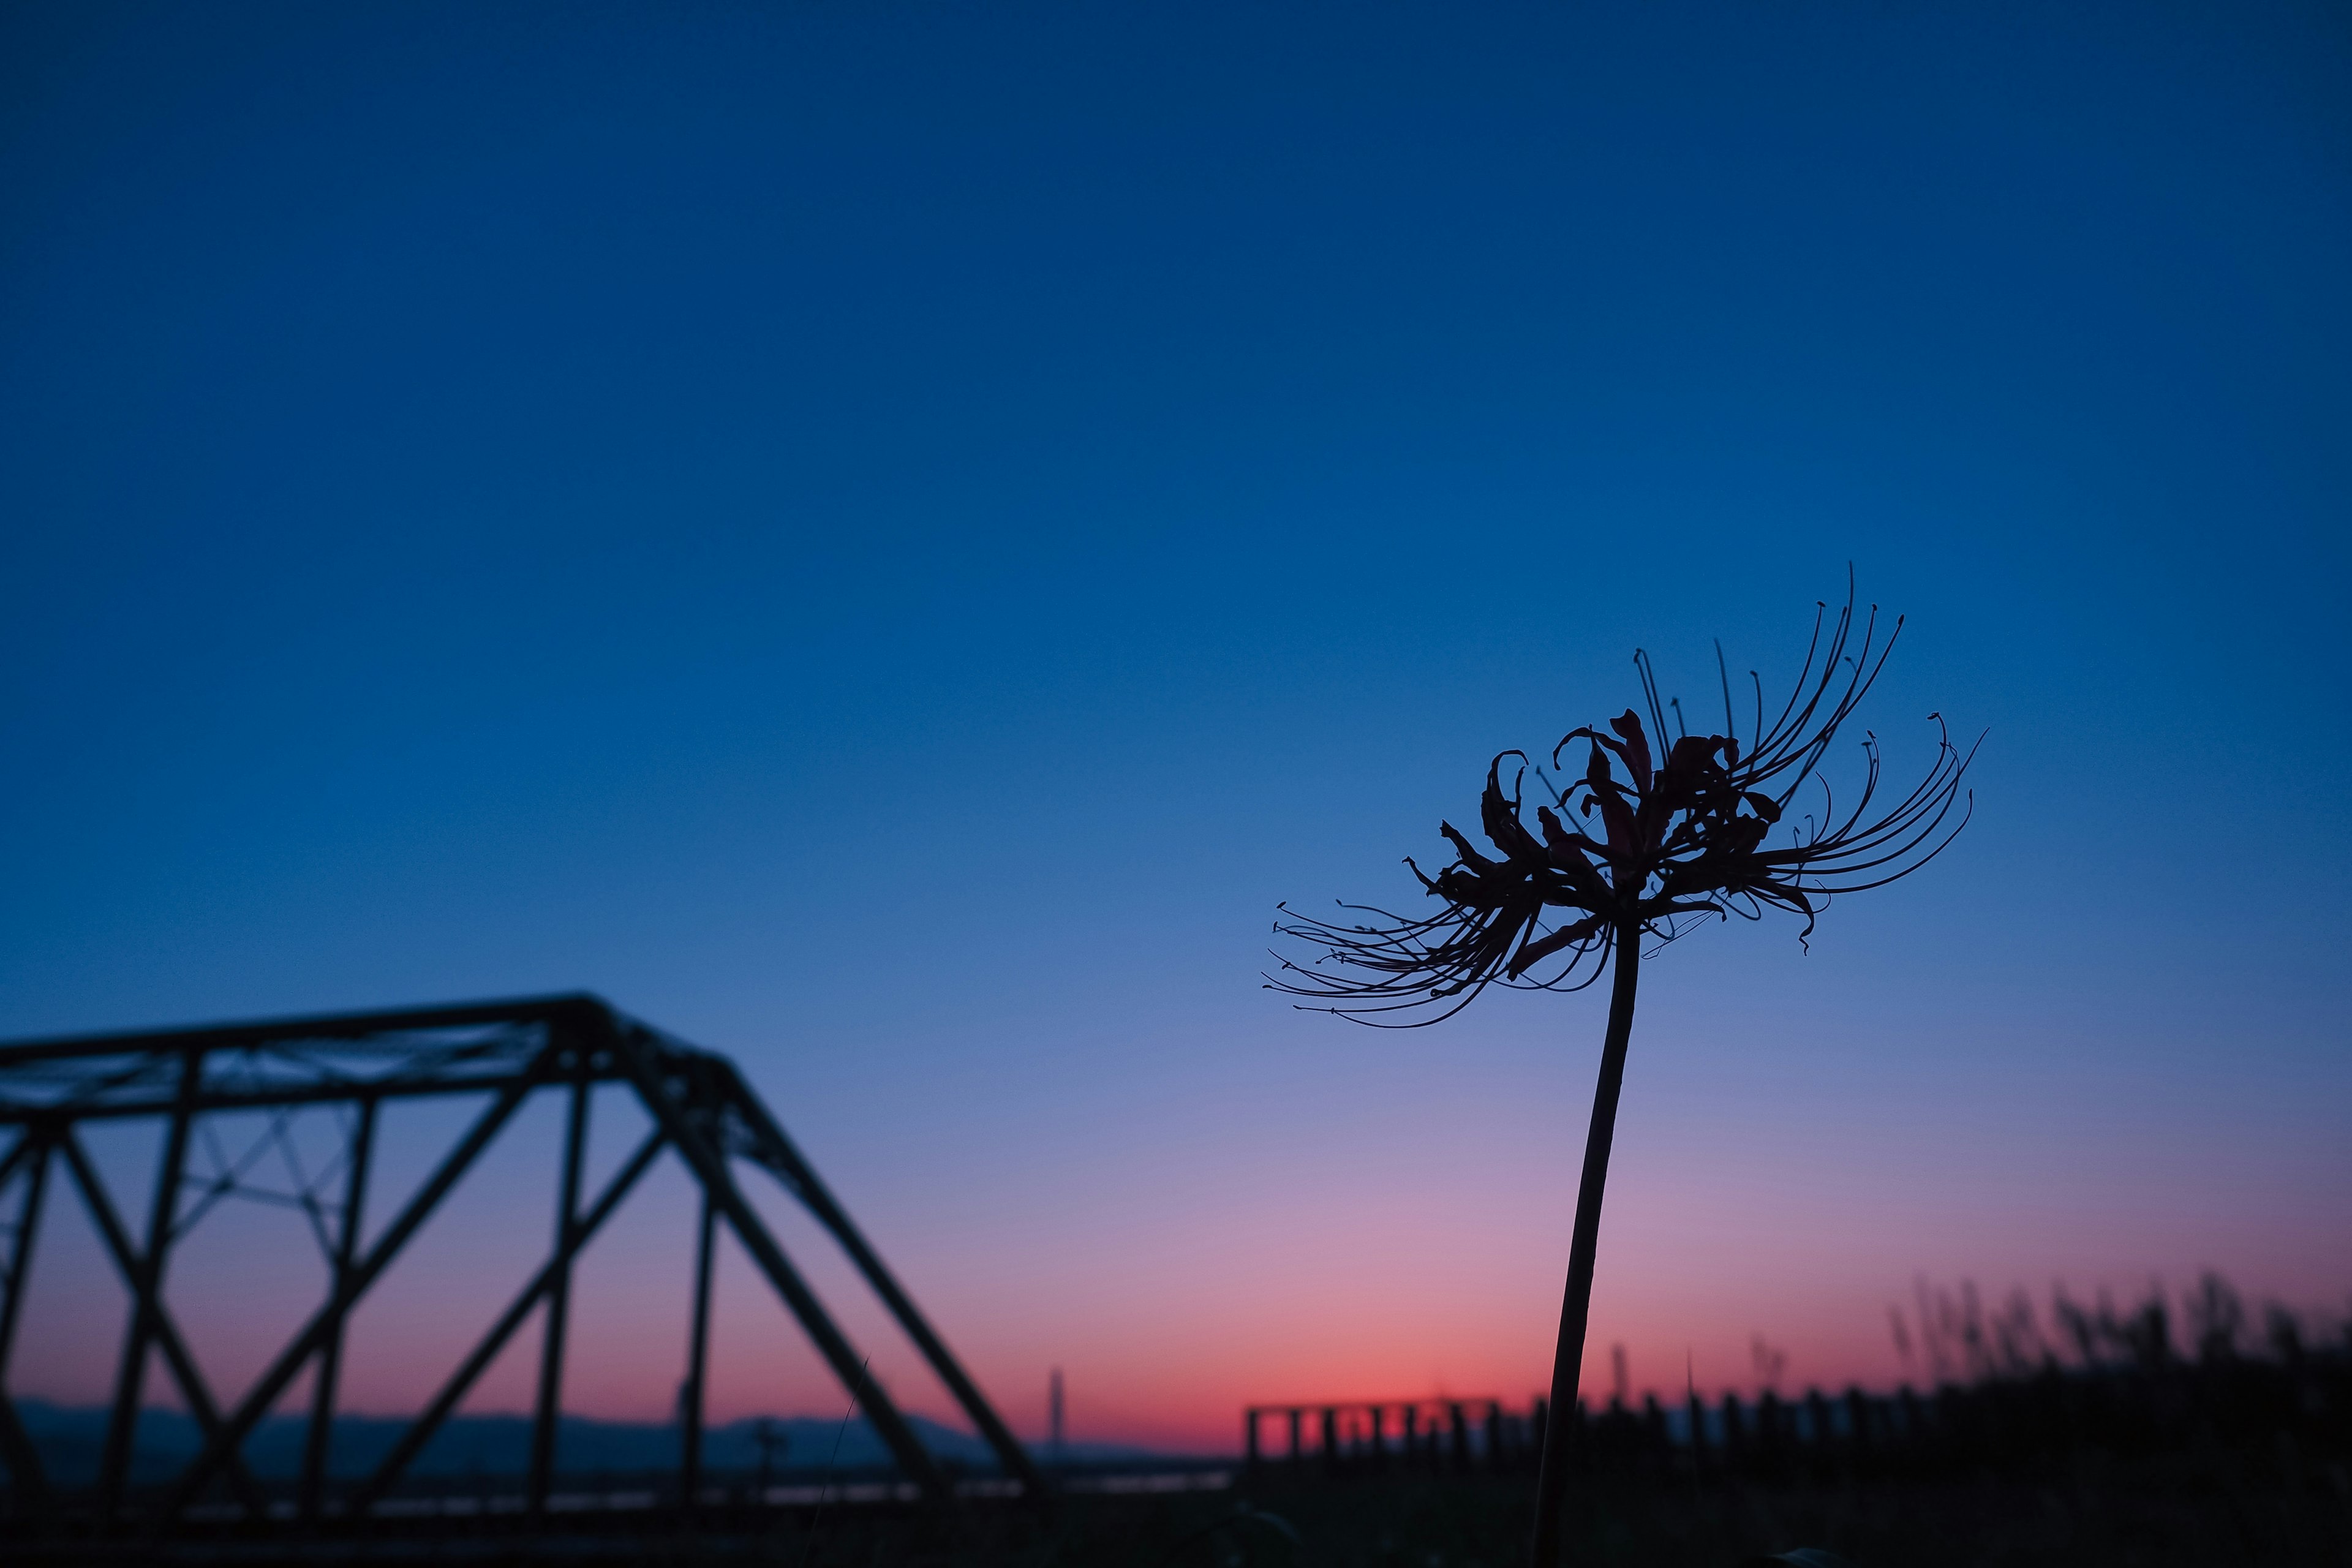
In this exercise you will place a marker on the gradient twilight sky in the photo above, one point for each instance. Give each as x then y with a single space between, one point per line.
883 539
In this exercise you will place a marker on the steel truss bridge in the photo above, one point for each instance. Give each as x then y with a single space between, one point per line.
501 1054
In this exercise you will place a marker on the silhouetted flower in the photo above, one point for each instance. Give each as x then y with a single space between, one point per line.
1635 847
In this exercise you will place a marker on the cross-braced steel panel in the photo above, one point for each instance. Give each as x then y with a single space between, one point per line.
501 1054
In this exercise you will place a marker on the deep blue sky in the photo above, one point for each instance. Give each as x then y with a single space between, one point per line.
884 539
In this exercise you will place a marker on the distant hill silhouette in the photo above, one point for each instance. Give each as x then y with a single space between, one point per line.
70 1437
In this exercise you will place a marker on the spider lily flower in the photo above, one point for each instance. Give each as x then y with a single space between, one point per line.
1635 848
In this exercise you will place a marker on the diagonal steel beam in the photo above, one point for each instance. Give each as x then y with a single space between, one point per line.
710 1166
23 1460
147 1291
323 1387
223 1443
420 1431
785 1160
559 1298
18 1153
15 1445
20 1257
166 1335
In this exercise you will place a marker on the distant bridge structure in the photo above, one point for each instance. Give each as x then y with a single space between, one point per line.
501 1054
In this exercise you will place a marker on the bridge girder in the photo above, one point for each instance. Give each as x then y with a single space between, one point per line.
699 1107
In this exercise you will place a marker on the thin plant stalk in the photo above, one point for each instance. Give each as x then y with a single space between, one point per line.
1576 1301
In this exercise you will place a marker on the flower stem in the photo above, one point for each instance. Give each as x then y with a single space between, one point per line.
1576 1306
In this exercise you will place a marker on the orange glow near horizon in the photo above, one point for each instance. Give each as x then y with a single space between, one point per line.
1303 1273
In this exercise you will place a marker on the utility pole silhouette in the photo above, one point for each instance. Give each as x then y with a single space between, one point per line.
1053 1419
772 1443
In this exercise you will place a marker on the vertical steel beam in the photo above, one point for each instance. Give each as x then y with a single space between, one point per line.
698 1360
330 1352
146 1292
17 1448
558 1294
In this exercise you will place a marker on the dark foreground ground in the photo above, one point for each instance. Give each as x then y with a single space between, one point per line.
1461 1522
1451 1522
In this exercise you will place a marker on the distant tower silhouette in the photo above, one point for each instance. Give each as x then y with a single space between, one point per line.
773 1441
1623 1390
1053 1417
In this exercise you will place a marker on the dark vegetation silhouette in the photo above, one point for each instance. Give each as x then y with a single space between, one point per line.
1719 826
2006 1390
2184 1430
